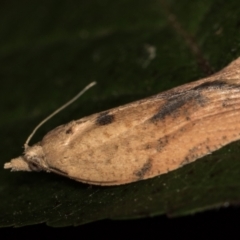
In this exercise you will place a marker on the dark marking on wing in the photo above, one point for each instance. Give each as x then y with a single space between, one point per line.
217 84
197 151
161 143
145 168
69 131
175 103
178 100
104 119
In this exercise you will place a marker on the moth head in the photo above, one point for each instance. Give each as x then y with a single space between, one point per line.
32 160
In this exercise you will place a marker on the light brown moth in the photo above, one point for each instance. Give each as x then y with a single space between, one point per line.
145 138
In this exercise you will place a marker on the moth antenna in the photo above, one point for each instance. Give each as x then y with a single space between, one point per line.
57 111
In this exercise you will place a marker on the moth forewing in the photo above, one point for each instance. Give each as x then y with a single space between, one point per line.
145 138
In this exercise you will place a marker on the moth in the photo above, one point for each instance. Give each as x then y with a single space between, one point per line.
143 139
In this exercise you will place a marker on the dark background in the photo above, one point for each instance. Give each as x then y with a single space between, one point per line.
214 224
49 50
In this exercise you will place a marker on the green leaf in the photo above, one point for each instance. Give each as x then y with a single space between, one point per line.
50 50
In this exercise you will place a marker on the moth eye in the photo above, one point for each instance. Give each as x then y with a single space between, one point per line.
34 167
